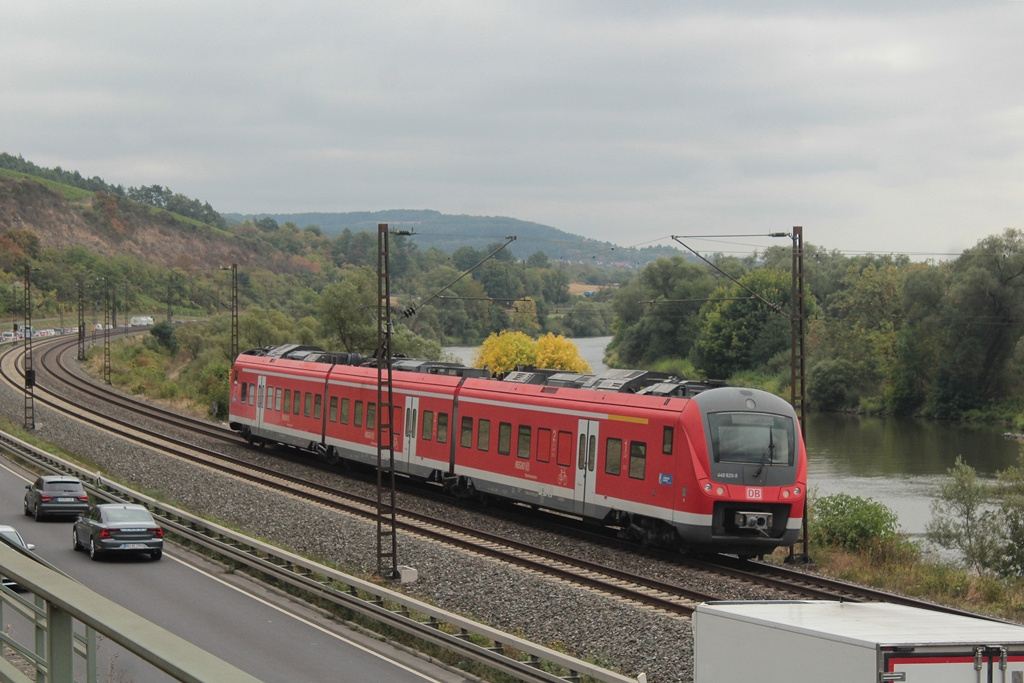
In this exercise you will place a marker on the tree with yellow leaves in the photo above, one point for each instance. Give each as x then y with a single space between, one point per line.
560 353
503 351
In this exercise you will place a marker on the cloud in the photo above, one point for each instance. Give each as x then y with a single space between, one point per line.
875 127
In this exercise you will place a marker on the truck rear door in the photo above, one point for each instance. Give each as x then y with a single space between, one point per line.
981 664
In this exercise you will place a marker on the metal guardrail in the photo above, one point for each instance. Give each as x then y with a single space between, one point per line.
60 601
469 639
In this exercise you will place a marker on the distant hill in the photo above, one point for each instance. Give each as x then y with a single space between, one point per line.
65 208
449 232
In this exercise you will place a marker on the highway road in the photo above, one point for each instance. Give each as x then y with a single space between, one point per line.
258 630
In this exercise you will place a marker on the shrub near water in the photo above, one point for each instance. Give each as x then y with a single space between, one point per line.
851 522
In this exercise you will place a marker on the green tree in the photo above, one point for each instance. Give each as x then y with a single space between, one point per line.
983 324
964 519
589 319
555 285
741 332
348 310
500 280
917 342
163 333
538 259
658 312
1010 488
525 317
833 384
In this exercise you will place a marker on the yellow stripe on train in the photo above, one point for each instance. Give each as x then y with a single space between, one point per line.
627 418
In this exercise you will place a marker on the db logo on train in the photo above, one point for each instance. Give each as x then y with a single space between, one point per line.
754 494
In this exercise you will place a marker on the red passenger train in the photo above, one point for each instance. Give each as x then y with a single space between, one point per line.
669 462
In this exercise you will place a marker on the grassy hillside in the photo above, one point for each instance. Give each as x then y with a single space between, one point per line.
72 194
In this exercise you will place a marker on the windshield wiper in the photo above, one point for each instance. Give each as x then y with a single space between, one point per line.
769 453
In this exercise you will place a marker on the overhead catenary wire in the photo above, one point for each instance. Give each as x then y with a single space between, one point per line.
411 310
773 306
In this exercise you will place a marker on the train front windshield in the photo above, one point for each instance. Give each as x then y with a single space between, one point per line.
752 438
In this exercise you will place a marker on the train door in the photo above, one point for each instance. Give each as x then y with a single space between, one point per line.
586 462
261 388
412 420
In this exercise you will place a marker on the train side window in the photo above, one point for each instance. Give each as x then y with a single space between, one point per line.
318 406
269 403
371 415
564 455
427 432
637 459
344 411
245 393
483 435
277 399
332 409
297 402
307 406
523 448
442 427
544 444
666 441
357 419
466 433
504 438
287 400
613 456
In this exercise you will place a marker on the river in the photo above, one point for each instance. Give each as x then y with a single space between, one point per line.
897 462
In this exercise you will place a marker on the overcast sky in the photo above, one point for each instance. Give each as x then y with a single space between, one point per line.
877 126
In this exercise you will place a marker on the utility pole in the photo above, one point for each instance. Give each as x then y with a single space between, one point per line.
798 367
106 331
387 534
234 309
30 373
81 320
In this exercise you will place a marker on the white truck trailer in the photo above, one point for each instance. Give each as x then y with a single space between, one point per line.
844 642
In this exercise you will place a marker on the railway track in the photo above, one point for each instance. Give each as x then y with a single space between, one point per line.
61 389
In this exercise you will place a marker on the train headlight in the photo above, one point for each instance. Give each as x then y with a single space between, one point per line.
720 490
785 493
707 487
796 490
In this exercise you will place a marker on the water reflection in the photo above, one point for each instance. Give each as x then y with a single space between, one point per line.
871 446
898 462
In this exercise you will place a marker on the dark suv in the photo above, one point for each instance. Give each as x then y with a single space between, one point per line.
54 495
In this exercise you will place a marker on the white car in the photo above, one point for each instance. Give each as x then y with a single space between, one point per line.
10 535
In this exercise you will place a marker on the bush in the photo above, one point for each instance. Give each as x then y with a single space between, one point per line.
851 522
832 385
163 334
